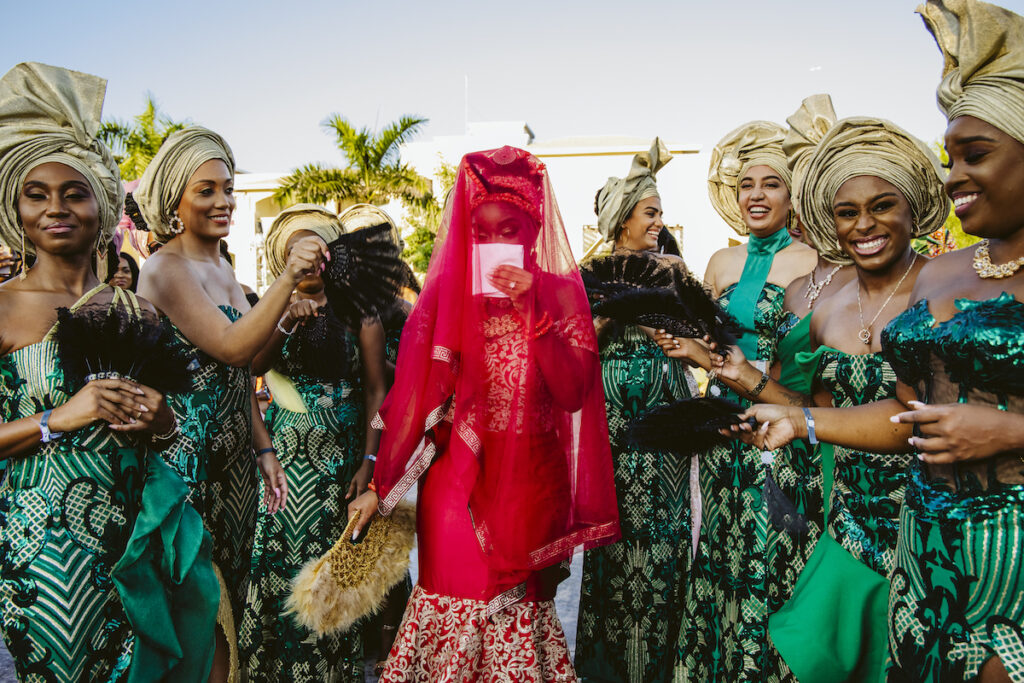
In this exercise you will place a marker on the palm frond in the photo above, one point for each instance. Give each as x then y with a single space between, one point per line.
317 184
386 143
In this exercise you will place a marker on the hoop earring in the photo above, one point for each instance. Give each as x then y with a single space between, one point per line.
176 224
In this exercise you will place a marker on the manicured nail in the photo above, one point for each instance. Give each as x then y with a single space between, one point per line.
143 408
355 534
895 419
916 404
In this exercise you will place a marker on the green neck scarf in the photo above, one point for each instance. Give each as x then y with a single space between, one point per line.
761 253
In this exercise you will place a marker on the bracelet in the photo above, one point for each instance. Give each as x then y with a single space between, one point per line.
543 326
45 435
811 438
371 486
263 451
169 434
760 385
284 331
372 457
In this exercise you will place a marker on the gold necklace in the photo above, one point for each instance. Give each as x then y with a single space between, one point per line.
865 330
984 267
814 288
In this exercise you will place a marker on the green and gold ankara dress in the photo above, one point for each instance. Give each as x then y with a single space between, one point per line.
320 451
632 591
868 488
957 595
725 628
214 455
85 591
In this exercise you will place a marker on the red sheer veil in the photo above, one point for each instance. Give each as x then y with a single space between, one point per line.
511 391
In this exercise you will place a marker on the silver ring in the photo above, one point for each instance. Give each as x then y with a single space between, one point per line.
513 285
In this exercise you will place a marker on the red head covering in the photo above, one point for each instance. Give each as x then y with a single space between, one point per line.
511 391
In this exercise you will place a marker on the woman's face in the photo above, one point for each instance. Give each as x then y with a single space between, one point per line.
503 222
986 178
59 212
208 201
874 222
764 200
640 231
312 283
123 275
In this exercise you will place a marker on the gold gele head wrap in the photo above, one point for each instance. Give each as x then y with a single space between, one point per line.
361 216
165 178
757 143
862 146
316 219
983 72
807 126
619 196
50 114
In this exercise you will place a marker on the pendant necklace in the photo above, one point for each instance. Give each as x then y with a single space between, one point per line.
865 330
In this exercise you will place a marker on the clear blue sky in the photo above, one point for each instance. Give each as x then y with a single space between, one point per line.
265 74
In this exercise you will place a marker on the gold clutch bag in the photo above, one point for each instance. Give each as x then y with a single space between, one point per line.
351 580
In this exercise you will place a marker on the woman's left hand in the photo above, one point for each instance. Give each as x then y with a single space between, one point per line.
152 414
512 281
956 431
275 485
361 480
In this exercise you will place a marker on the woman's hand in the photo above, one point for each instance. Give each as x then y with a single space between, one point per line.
513 282
117 401
730 364
361 480
366 506
693 351
955 431
298 312
275 485
777 426
306 257
152 415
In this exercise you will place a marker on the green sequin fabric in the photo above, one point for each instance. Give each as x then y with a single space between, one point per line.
957 594
744 566
66 514
632 590
320 451
213 454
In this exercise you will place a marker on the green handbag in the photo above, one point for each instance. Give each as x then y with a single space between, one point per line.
834 627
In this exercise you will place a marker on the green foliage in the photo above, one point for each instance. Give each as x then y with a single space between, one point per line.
374 175
423 215
135 143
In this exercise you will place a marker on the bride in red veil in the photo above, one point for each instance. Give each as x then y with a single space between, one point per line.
498 412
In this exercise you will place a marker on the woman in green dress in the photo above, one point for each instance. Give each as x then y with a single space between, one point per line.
955 611
82 592
795 508
727 591
631 601
185 197
328 382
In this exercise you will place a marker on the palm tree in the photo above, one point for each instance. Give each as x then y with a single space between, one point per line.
135 143
374 175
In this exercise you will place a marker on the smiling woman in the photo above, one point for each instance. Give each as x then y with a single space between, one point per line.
84 486
186 197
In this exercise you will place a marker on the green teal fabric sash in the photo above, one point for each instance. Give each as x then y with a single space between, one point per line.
743 302
166 582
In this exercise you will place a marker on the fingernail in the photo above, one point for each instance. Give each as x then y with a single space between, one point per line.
355 534
277 492
140 392
132 420
895 419
911 441
143 408
916 404
920 456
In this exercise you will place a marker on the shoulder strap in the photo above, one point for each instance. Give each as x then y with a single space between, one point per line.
83 300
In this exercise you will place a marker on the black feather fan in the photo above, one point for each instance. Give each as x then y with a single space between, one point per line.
109 341
649 290
365 273
689 426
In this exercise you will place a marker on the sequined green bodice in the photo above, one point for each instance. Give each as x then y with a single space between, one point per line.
975 357
767 318
794 336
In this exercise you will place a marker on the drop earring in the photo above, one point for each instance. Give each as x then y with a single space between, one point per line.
176 224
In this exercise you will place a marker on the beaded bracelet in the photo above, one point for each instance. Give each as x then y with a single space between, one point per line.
371 486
